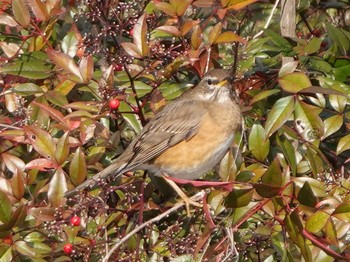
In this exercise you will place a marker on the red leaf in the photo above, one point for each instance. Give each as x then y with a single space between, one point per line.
42 164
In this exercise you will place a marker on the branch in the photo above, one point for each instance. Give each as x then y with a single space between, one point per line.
268 20
197 196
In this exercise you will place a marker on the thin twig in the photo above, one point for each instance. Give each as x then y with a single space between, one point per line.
268 20
9 127
197 196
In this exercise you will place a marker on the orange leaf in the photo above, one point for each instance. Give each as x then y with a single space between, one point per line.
86 67
166 8
21 12
215 32
196 39
180 6
238 5
229 37
39 9
187 26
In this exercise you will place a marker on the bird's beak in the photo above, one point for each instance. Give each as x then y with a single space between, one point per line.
223 82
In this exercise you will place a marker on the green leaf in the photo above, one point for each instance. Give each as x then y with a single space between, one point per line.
24 249
281 42
169 29
227 167
306 196
287 68
78 169
171 91
273 174
66 63
267 191
309 121
239 198
316 163
313 46
264 94
41 141
318 188
258 144
334 84
142 88
342 212
320 65
294 82
332 125
27 89
70 44
342 73
55 114
339 39
343 144
5 208
338 102
31 68
317 221
289 152
57 188
279 114
35 237
130 118
89 106
254 46
57 98
62 149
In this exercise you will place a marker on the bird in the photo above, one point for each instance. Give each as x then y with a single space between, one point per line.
186 139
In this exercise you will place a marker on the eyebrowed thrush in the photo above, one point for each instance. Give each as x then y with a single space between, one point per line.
187 138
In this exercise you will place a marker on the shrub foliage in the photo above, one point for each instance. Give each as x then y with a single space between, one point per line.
80 79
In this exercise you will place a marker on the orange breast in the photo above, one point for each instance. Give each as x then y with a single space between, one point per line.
200 153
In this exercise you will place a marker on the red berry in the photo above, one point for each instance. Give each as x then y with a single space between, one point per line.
131 32
68 248
114 103
8 240
118 67
75 221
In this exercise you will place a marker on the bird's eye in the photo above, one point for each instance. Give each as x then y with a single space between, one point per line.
209 81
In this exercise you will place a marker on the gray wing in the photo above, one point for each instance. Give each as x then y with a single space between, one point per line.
175 123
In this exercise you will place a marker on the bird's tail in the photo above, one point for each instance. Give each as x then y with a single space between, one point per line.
114 170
